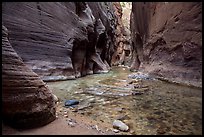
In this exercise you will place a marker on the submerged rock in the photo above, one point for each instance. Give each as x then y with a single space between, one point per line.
139 75
71 102
83 106
120 125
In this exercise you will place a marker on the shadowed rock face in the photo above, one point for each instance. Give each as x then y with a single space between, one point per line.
121 42
62 40
27 102
166 38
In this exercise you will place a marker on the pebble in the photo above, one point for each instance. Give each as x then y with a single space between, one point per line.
95 127
132 131
71 122
119 109
115 130
66 116
120 125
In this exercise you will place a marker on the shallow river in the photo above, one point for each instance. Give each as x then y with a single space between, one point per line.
162 108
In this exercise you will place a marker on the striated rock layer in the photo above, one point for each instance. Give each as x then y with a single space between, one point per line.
167 40
62 40
27 102
51 41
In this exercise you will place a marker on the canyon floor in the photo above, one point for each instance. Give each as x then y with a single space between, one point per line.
83 126
147 105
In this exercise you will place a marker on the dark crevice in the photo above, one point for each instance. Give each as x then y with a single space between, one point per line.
39 12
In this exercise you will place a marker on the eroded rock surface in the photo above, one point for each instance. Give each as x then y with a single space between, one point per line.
122 47
26 100
166 39
62 40
51 41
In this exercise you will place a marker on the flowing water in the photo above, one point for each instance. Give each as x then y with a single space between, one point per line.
164 108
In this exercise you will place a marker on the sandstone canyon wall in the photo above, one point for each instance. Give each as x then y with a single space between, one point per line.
167 40
62 40
121 43
26 100
51 41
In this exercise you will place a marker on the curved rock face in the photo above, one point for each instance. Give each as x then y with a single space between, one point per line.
166 38
62 40
50 41
27 102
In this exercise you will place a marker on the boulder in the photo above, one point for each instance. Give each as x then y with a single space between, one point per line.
120 125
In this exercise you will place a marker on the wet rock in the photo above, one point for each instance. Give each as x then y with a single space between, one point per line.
139 75
120 125
83 106
86 103
139 91
69 103
109 91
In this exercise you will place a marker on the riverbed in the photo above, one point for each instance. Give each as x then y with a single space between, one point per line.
161 108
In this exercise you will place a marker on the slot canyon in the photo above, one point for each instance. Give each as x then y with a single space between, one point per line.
102 68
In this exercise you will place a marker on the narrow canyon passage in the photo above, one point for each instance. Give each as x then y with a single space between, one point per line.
117 68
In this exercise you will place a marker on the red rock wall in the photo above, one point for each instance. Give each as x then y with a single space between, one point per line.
62 40
56 40
26 101
167 41
121 42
